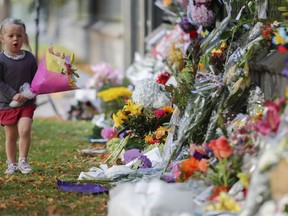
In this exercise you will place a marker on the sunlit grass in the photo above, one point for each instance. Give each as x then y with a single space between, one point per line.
54 154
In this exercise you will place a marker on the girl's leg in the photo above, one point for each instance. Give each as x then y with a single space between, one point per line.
11 134
24 129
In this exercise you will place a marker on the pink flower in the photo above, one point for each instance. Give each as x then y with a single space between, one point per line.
201 15
159 113
104 74
108 133
271 123
184 4
203 165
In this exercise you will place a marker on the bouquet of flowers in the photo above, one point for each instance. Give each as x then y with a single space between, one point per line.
104 77
55 73
113 99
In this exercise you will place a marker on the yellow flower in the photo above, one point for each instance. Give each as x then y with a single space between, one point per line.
148 138
204 33
160 132
278 39
114 93
244 179
168 109
166 3
134 109
228 203
225 203
119 118
223 46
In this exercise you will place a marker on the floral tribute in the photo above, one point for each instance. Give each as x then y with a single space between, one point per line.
216 131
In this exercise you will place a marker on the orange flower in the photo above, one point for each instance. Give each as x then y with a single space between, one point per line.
160 132
166 3
223 46
187 168
221 147
168 109
200 67
216 53
203 165
148 138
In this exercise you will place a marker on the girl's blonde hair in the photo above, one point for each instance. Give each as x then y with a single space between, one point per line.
12 21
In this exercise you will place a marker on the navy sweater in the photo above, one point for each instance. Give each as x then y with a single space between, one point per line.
13 74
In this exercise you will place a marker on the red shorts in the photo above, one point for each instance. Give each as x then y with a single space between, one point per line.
12 116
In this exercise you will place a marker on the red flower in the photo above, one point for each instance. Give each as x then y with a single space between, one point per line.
282 48
159 113
221 147
155 141
193 34
163 78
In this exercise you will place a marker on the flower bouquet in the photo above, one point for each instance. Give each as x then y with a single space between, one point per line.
55 73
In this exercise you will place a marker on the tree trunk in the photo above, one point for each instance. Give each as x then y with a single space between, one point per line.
4 9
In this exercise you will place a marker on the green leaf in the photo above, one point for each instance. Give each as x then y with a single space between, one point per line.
76 75
225 35
282 8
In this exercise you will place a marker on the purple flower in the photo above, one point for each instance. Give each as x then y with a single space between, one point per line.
197 155
131 154
186 25
285 71
145 162
169 178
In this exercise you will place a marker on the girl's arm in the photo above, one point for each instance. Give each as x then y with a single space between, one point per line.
6 90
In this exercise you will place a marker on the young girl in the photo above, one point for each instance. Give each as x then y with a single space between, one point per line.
17 66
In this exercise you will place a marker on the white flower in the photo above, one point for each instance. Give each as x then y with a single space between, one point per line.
267 209
149 93
268 159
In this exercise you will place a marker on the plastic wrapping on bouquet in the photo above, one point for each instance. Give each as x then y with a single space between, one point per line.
46 81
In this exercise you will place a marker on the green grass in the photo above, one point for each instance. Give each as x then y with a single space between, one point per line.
54 154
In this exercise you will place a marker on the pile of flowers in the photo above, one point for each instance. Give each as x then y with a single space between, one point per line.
204 113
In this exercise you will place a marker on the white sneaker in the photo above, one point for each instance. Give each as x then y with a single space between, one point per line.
12 167
23 166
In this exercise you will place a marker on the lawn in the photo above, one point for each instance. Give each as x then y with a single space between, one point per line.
54 154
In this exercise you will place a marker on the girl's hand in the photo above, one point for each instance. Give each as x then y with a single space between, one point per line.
19 98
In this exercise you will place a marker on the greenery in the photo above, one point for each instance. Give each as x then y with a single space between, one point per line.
54 154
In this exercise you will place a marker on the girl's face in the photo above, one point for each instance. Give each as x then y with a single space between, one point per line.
12 38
